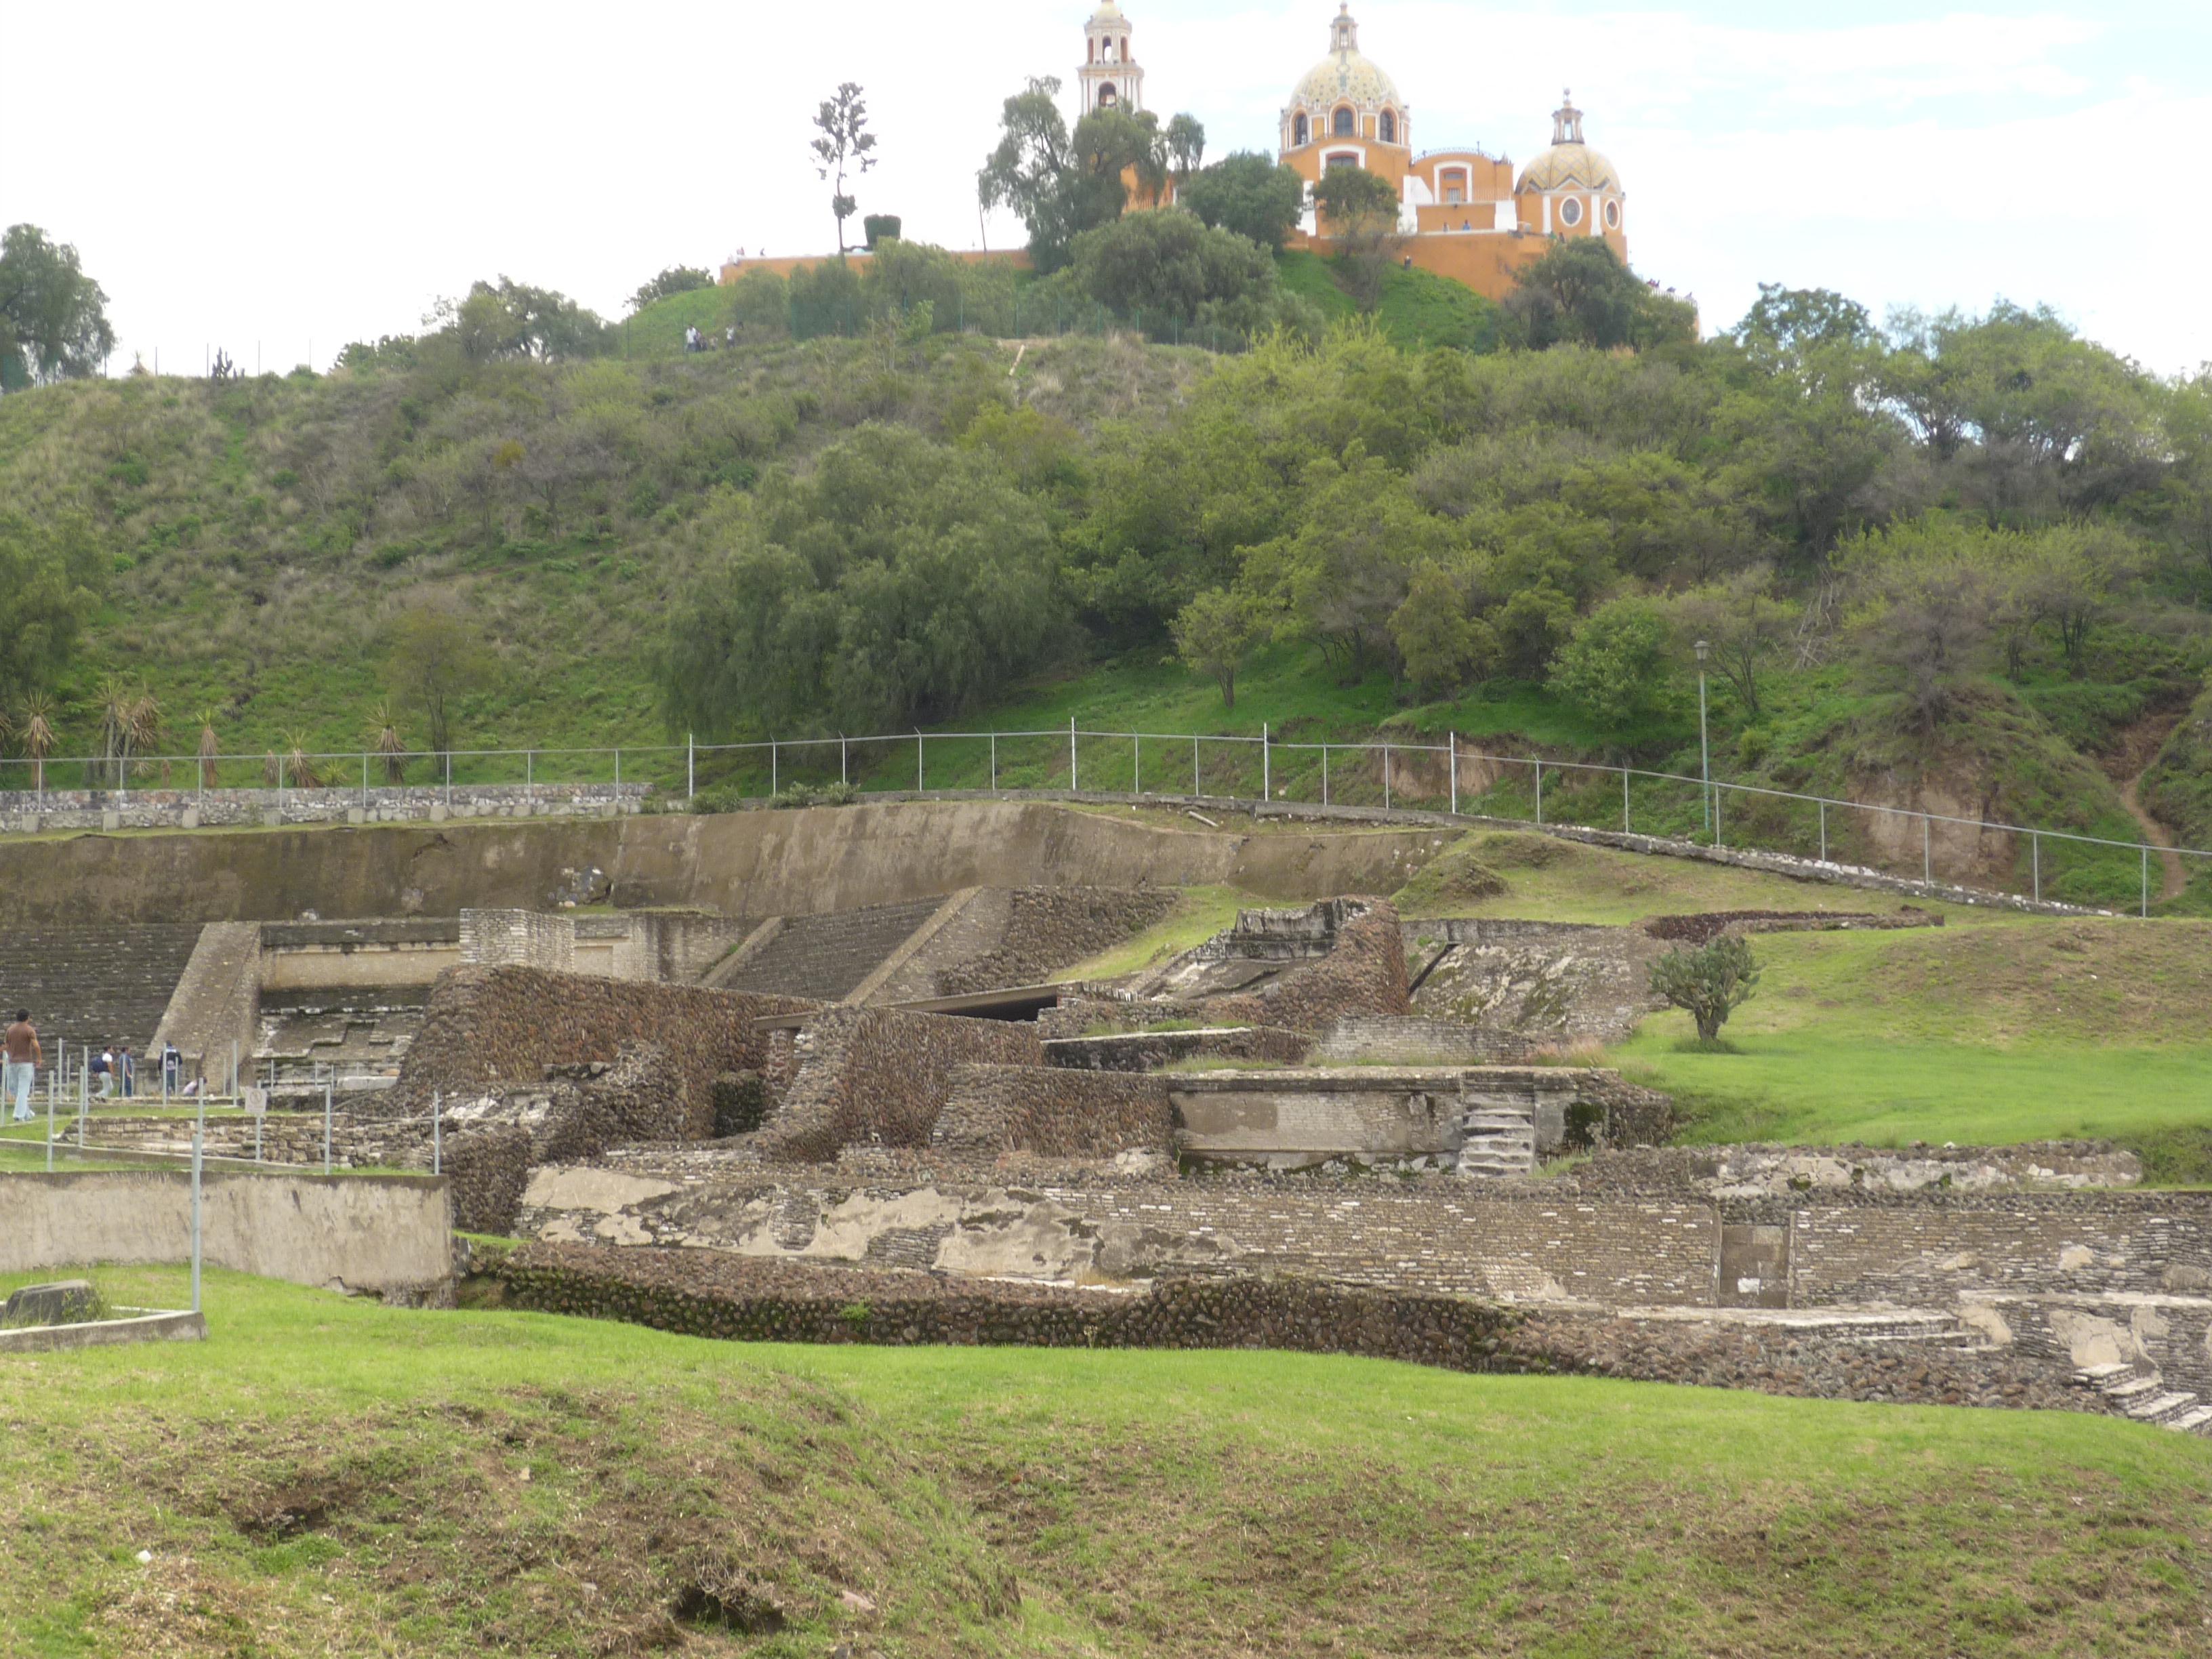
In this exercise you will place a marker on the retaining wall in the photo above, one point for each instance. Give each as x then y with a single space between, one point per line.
880 1076
1054 1112
389 1235
26 812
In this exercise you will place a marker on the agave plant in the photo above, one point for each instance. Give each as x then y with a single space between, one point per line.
300 771
129 724
210 748
384 739
38 736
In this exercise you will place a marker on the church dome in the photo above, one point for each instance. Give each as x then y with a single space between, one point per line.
1345 75
1569 164
1570 167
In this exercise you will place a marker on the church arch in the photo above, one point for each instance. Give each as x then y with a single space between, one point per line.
1386 127
1344 124
1301 133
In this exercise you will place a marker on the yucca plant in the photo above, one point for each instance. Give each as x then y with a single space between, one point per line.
38 736
299 769
384 739
129 724
211 748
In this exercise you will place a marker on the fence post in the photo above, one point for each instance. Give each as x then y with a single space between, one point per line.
449 777
1926 852
775 787
1451 747
364 783
1540 792
529 768
844 753
233 1068
617 769
199 1137
1386 777
1197 791
691 767
2146 881
918 784
1824 832
1072 788
1267 764
329 1086
994 762
49 1129
1624 802
1137 763
437 1134
1717 840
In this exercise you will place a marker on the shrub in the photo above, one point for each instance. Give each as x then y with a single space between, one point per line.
1709 983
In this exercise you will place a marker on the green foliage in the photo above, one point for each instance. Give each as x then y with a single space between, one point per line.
675 279
1616 668
1709 983
1062 183
53 574
1580 294
901 580
508 319
845 145
1419 310
434 657
1213 635
1250 194
1359 211
53 317
1168 265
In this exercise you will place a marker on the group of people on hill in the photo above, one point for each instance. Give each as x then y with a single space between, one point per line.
111 1072
694 340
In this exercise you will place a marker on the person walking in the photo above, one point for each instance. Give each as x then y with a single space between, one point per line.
20 1056
103 1067
173 1068
126 1072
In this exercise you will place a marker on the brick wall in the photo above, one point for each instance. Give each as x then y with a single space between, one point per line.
491 1030
1043 929
880 1077
1053 1112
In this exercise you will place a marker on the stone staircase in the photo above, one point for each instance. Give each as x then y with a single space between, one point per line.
825 956
95 985
2139 1390
1943 1331
1497 1140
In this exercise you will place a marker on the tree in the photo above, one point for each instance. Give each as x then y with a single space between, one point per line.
1214 634
1709 983
677 279
129 724
845 143
51 571
1614 668
1923 600
1580 294
1442 644
1806 332
53 317
1186 145
1744 621
1062 183
510 319
1254 195
1167 264
1359 213
434 657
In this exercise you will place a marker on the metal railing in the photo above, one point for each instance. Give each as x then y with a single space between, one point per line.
1444 776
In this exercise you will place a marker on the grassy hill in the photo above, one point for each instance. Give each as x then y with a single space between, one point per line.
325 1475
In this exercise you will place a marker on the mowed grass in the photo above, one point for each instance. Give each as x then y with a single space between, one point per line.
2026 1029
326 1476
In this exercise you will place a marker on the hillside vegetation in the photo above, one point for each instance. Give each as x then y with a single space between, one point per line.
325 1475
1957 563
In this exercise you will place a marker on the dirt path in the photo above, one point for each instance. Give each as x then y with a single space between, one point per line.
2174 869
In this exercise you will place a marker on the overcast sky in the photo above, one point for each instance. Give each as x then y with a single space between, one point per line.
264 176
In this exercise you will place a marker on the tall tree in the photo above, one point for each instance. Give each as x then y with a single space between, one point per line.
50 570
1580 294
1254 196
433 656
1062 183
677 279
53 317
1359 212
1186 145
846 144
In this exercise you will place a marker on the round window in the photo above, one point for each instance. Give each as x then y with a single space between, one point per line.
1570 213
1613 215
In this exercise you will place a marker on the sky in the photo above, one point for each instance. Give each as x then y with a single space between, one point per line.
276 179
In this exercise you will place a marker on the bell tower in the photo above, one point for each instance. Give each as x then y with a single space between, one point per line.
1110 77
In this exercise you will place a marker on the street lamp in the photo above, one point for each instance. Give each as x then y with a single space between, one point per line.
1705 743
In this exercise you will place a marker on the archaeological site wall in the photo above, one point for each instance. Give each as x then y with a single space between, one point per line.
880 1076
1054 1113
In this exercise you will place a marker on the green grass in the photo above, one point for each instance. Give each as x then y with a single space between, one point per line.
325 1476
1418 310
2017 1031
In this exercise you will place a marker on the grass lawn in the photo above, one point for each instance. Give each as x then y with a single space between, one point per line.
2027 1029
325 1476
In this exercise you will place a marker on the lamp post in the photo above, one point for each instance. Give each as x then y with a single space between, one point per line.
1705 743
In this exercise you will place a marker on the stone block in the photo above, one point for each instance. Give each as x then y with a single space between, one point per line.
438 812
356 815
64 1302
111 819
190 817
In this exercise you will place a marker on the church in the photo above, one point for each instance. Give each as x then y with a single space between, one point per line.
1462 213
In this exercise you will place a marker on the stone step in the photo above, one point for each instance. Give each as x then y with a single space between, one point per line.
2108 1371
2134 1388
2160 1406
2197 1420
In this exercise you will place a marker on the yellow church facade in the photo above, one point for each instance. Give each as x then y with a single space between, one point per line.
1463 213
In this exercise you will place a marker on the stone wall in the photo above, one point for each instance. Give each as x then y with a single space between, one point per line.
491 1030
1151 1051
1759 1171
25 811
1558 982
1021 935
1410 1039
216 1003
662 945
880 1077
91 985
1702 928
1053 1112
712 1294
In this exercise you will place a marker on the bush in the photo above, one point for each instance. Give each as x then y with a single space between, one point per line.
1709 983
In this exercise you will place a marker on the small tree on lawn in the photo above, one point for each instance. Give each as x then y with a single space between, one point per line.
1710 982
